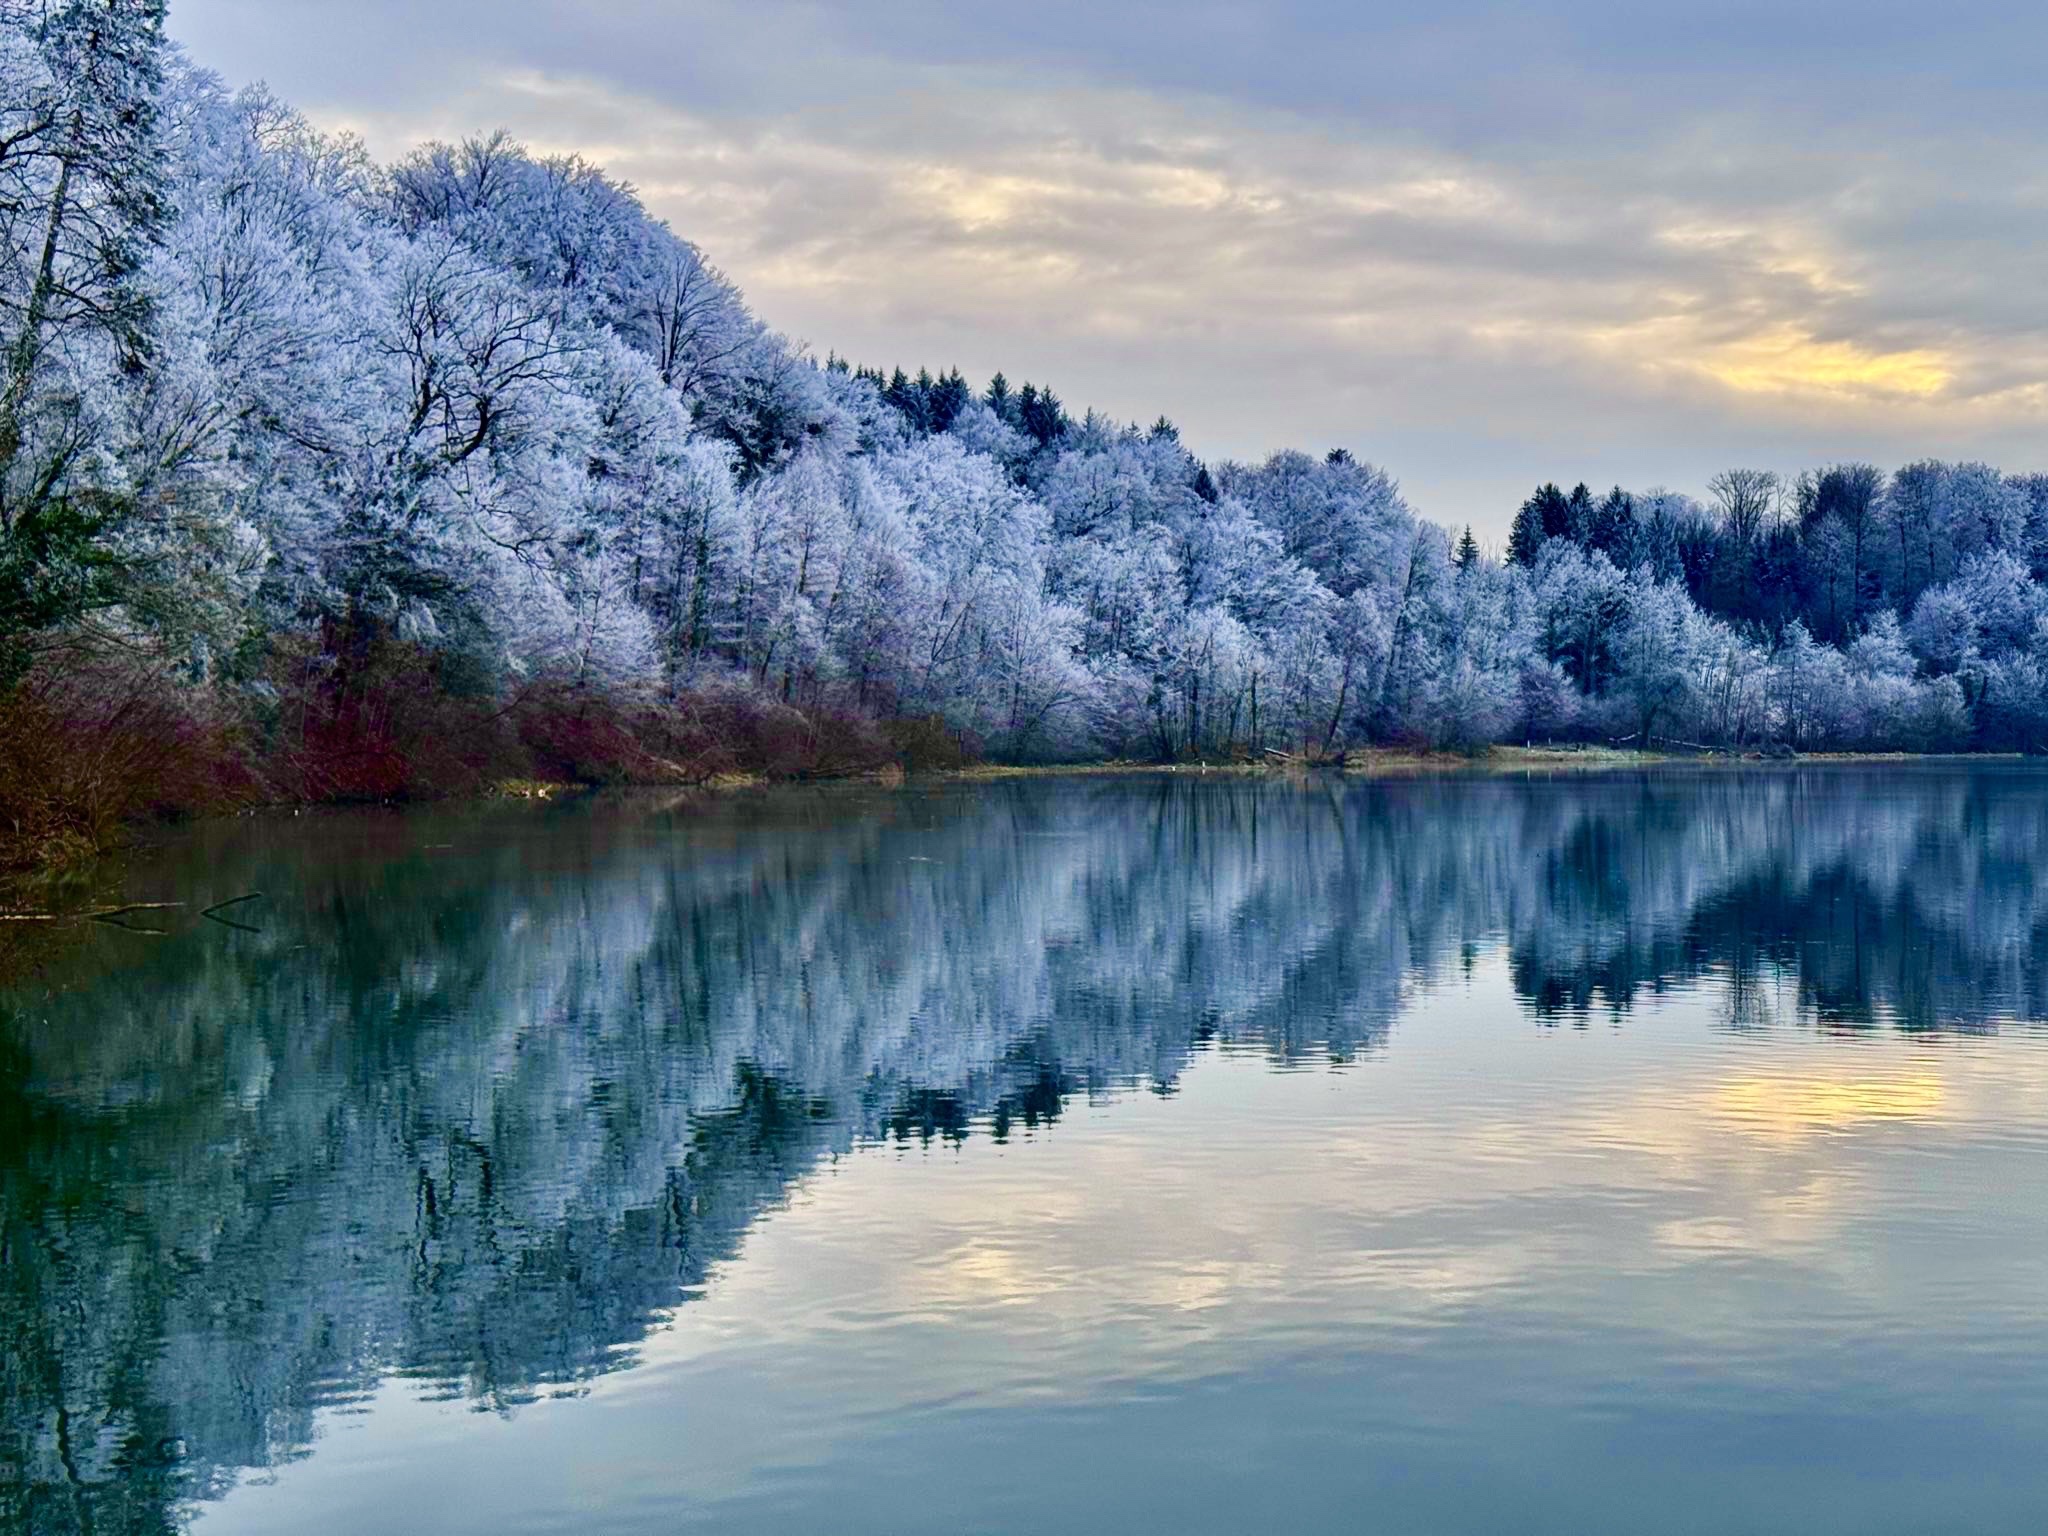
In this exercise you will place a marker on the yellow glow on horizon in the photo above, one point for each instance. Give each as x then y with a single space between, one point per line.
1788 360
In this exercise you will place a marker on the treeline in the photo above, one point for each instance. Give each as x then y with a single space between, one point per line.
337 479
1903 609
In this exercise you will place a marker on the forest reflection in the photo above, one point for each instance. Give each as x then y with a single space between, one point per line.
485 1094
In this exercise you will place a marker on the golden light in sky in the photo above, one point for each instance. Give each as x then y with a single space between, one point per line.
1787 359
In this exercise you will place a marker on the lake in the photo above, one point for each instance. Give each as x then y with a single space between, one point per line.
1599 1152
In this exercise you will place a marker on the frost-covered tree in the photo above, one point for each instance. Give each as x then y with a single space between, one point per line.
1342 519
1662 657
82 203
269 408
1581 601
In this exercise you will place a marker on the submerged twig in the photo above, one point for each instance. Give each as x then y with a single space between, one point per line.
212 912
112 916
94 914
115 922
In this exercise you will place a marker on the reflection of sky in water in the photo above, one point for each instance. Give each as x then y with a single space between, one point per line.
1467 1157
1664 1257
1667 1258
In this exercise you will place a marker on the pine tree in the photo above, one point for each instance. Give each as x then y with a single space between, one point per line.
949 397
1040 415
1615 527
998 398
1468 550
1544 516
912 398
1577 520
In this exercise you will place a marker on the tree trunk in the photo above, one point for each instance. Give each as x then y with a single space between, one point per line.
21 362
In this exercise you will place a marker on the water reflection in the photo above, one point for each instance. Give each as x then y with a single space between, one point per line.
486 1094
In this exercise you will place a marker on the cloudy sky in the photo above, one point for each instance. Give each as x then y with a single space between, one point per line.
1482 245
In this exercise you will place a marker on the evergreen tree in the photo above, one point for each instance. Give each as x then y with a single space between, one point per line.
950 395
1040 415
998 398
1468 550
1544 516
1614 528
1577 520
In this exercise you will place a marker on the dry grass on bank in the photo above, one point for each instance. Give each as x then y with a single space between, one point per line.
104 743
93 743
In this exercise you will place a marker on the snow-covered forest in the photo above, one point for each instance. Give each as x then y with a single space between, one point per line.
304 438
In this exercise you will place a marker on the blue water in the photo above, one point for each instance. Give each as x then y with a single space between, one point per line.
1581 1153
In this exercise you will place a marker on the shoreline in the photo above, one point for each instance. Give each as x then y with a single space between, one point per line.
1378 763
1370 763
46 910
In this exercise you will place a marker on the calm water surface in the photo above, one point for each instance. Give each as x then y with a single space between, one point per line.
1595 1153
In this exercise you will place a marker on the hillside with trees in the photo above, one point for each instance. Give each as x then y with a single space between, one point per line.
325 479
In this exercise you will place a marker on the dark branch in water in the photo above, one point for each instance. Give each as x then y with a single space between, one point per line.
112 916
233 901
94 914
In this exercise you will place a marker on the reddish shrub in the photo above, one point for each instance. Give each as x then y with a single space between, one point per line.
103 740
734 729
927 744
368 717
592 736
93 741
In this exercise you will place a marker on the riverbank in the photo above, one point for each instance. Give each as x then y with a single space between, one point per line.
101 744
66 871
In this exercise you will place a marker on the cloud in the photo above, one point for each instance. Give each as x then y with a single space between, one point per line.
1482 248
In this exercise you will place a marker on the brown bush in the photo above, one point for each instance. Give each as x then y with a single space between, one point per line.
89 742
584 735
734 729
927 744
104 740
369 717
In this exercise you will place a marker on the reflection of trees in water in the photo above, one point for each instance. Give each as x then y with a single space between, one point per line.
1851 896
480 1117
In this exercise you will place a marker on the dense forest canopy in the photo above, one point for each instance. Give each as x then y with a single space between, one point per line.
276 417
